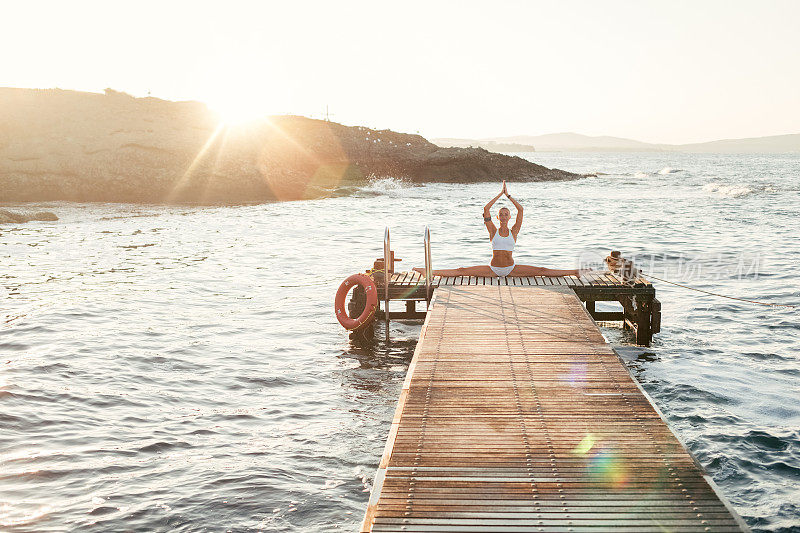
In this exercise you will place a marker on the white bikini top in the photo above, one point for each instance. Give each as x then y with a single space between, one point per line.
503 243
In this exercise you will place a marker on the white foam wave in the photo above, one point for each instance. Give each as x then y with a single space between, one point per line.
663 172
669 170
385 185
727 190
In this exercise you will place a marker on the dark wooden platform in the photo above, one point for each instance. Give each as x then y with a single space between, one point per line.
516 416
641 310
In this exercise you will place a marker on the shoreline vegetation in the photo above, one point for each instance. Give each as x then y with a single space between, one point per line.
60 145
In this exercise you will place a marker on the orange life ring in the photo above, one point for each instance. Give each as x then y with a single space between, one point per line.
368 313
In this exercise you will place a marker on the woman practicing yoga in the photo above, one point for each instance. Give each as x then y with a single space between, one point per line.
503 240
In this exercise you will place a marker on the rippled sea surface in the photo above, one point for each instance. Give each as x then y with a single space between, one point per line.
181 369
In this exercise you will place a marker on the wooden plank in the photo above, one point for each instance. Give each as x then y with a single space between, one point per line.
595 278
613 279
609 281
516 415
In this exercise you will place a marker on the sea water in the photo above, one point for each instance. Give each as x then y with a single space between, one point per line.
181 369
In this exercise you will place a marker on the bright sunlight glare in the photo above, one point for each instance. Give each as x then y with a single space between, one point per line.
242 102
234 108
244 87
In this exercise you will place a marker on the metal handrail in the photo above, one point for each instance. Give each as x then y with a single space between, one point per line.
387 274
428 267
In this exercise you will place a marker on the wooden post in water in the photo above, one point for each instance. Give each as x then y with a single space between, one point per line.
643 320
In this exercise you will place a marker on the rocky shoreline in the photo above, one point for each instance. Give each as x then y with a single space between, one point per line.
87 147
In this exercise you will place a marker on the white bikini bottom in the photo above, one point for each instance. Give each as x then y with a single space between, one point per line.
502 271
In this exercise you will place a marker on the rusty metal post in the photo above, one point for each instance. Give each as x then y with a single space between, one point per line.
387 261
428 268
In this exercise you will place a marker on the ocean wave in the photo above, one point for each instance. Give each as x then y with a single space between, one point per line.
379 186
669 170
663 172
727 190
375 186
735 190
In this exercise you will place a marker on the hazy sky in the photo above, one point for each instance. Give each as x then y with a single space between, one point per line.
671 71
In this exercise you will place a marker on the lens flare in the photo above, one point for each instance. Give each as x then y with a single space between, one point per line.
608 467
299 161
577 375
585 445
604 464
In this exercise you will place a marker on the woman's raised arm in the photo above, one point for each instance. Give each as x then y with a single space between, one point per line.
487 216
518 222
488 206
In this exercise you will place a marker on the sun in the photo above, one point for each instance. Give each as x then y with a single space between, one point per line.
244 103
241 90
235 111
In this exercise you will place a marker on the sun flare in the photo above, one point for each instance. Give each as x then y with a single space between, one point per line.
233 110
240 90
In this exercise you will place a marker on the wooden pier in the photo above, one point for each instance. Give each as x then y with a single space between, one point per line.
517 416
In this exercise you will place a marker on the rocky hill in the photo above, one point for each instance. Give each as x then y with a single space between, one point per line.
68 145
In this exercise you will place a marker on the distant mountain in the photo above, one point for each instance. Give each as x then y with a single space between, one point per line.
492 146
575 142
771 144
